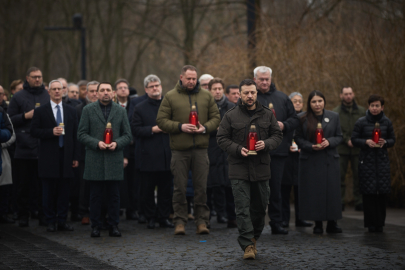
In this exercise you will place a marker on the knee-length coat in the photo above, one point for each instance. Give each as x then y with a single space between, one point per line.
104 164
319 172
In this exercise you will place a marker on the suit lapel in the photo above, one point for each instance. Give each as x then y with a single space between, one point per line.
326 119
114 108
49 112
99 113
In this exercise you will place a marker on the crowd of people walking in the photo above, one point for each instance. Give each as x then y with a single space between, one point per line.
98 149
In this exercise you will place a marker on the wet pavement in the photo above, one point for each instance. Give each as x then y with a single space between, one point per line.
142 248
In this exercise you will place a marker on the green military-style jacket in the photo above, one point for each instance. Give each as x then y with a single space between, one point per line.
347 121
104 164
175 110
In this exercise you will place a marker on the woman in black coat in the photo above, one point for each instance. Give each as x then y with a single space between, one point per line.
290 175
374 164
319 170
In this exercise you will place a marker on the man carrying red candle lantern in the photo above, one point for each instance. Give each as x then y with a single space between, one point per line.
104 130
249 168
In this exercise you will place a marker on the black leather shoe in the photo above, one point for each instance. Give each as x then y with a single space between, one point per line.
95 232
232 224
142 219
51 227
285 224
332 227
165 223
65 227
213 213
222 219
303 223
359 207
75 217
4 219
132 215
151 224
318 230
23 223
277 229
379 229
372 229
114 232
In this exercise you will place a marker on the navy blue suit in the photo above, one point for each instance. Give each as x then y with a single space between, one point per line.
55 162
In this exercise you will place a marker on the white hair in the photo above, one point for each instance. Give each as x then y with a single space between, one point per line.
261 69
295 94
205 77
51 82
91 83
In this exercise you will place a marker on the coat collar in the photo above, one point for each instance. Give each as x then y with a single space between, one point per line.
114 109
49 112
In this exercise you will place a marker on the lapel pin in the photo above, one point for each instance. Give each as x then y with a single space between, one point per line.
327 120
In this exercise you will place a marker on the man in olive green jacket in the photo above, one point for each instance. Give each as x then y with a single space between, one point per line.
349 112
189 145
104 163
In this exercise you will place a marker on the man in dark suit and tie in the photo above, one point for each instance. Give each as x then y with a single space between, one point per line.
55 124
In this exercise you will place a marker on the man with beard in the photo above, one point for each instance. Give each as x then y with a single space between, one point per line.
104 166
218 183
288 121
349 112
21 111
189 144
249 172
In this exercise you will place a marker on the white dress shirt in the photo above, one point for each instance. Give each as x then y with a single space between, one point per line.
55 110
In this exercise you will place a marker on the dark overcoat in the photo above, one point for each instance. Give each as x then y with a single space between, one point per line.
104 164
374 164
152 151
42 126
319 172
218 172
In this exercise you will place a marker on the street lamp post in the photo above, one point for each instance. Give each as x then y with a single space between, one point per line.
77 26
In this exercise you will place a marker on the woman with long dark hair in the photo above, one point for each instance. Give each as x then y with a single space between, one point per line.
319 171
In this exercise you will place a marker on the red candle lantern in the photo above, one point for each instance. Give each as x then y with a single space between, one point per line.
252 140
193 117
108 134
319 134
376 134
271 107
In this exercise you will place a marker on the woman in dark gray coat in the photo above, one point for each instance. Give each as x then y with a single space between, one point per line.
374 164
319 173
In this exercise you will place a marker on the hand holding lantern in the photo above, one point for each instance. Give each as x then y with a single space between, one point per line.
376 134
108 134
193 117
252 140
319 134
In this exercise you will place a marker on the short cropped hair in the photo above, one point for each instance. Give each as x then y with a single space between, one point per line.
374 98
231 86
15 83
32 69
247 82
188 67
261 69
206 77
91 83
341 90
216 80
98 86
120 81
295 94
151 78
82 82
51 82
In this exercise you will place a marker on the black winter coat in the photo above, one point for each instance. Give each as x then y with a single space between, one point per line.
374 164
21 103
285 113
232 136
152 150
218 172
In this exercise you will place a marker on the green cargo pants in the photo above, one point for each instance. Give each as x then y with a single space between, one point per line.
251 199
182 162
354 164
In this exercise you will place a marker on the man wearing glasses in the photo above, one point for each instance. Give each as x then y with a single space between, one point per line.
21 111
288 121
204 80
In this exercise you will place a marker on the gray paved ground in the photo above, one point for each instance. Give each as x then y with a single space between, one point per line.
141 248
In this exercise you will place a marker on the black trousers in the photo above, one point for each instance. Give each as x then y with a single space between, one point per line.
96 200
55 199
84 201
223 201
29 187
132 186
374 206
285 202
75 192
164 182
274 207
5 192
